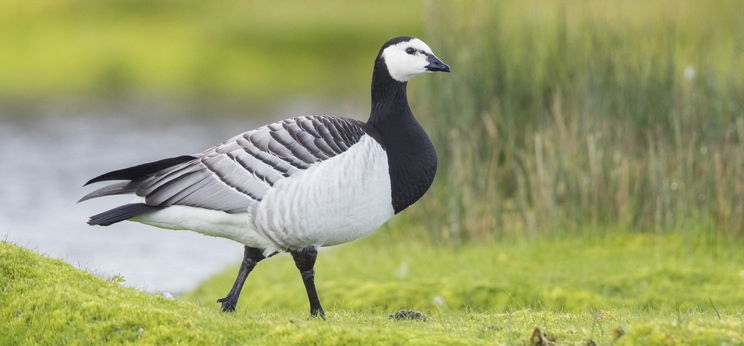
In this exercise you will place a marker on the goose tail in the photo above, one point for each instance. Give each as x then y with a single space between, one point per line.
121 213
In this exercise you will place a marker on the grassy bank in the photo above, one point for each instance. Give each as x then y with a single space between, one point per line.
561 275
627 290
586 114
576 289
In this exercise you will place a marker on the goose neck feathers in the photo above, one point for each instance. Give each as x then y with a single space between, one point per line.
389 97
412 159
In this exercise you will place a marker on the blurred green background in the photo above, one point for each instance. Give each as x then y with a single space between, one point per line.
588 116
583 116
252 50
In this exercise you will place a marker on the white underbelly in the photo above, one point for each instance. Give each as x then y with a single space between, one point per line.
214 223
338 200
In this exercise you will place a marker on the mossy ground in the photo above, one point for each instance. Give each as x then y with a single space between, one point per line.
627 290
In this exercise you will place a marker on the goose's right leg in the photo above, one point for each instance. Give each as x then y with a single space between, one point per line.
305 262
251 257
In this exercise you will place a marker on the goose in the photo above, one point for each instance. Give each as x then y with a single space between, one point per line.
294 185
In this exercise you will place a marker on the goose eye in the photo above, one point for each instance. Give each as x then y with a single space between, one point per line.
410 50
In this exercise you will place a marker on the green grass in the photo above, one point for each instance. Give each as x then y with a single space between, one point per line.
634 272
650 289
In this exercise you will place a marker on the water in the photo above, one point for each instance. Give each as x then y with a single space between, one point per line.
44 164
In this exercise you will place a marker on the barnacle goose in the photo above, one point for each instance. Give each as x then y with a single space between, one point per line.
297 184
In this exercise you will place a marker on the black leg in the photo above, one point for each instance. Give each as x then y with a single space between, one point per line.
251 257
305 261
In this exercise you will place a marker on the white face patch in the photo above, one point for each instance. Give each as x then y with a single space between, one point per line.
403 65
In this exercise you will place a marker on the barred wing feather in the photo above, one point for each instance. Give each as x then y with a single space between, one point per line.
236 174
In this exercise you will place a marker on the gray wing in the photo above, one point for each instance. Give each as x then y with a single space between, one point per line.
239 172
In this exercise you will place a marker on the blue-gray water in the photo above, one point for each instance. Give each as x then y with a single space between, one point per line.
46 160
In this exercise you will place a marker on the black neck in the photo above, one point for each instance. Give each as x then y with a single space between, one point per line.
412 160
389 99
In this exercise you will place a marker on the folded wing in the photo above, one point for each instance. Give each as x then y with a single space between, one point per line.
236 174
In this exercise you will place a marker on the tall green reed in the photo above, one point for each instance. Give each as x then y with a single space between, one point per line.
585 115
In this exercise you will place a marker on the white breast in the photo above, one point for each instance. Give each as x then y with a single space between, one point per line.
338 200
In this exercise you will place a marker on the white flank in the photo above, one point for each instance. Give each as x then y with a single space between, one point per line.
206 221
334 201
403 66
338 200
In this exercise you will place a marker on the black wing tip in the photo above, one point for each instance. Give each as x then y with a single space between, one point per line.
113 175
119 174
135 172
94 180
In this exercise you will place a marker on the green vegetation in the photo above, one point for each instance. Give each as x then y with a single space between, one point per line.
585 115
627 289
558 115
639 272
580 115
251 49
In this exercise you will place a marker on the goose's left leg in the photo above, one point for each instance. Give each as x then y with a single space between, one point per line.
251 257
305 262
